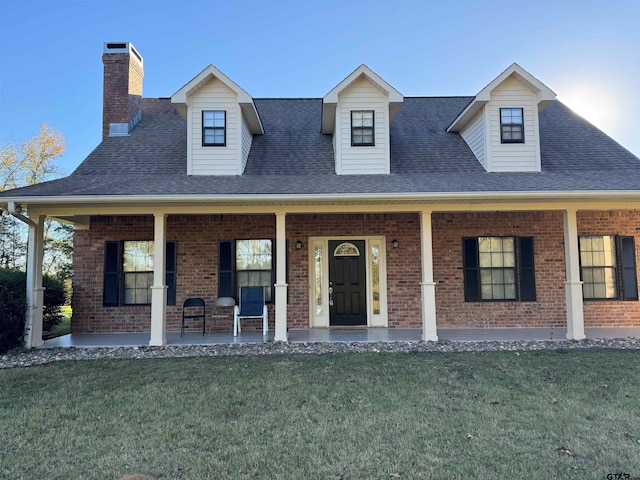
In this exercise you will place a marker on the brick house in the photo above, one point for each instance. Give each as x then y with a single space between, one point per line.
363 208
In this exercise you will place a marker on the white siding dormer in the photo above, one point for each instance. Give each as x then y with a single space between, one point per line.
479 123
212 91
362 91
362 95
513 157
214 160
474 134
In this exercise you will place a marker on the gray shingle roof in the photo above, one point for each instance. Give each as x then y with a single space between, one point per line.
293 157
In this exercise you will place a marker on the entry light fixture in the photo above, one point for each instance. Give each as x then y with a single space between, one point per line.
395 243
298 245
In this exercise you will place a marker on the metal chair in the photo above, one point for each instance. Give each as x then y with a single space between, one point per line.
193 309
220 310
252 305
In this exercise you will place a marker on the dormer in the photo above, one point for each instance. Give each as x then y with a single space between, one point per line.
358 113
221 121
500 125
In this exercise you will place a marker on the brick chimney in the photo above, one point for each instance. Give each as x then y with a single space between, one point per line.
122 94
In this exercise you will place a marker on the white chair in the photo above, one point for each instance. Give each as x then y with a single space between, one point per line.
221 307
252 305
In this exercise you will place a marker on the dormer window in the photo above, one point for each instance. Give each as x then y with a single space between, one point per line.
511 125
214 128
362 128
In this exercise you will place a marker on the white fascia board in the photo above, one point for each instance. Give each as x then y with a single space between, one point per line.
362 197
544 95
330 100
245 100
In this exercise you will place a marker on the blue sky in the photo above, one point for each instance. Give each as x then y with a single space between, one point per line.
588 52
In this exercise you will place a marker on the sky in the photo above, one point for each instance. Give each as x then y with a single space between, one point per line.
586 51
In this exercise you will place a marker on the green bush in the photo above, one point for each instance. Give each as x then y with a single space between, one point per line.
13 306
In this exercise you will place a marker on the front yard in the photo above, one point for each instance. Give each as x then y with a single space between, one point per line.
342 416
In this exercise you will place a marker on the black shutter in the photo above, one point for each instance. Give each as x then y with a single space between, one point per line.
111 284
471 271
628 261
527 271
225 269
170 278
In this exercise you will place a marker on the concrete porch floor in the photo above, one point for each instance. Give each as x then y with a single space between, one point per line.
96 340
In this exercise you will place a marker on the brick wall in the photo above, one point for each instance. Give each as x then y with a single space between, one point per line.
611 312
197 240
547 230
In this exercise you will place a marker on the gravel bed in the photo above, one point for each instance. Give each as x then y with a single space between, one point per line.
43 356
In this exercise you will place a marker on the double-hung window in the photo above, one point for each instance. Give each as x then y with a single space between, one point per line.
498 268
128 272
608 267
362 128
511 125
137 267
214 128
246 263
254 265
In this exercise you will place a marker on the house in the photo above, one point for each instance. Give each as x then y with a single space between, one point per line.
361 208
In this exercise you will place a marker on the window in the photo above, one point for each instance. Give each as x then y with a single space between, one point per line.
498 268
362 131
214 131
128 273
246 263
254 265
137 267
608 267
511 125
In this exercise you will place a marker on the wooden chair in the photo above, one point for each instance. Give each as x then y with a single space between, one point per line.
252 305
193 309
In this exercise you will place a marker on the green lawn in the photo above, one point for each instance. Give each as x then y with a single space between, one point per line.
63 328
342 416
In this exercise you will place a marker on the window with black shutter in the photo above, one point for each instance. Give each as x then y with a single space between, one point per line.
128 273
498 269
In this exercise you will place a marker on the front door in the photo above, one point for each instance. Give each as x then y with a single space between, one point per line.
347 283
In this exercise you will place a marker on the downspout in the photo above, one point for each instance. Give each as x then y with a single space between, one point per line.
35 291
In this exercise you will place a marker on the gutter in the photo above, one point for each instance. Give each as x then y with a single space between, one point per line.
16 211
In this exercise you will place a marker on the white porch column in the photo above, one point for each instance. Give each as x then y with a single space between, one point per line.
35 290
159 287
573 285
429 332
281 278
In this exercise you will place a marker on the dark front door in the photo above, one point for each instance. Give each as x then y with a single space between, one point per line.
347 283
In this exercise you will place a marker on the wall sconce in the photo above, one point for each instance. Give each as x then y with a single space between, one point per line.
394 243
298 245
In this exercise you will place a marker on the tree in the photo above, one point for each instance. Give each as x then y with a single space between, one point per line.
29 163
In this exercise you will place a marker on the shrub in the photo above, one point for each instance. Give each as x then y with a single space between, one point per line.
13 306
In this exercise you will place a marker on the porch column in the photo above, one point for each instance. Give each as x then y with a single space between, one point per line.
573 285
159 287
35 290
281 278
429 332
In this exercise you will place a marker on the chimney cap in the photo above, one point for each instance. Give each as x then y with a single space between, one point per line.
122 47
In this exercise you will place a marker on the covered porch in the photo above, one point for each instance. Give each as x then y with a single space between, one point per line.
365 335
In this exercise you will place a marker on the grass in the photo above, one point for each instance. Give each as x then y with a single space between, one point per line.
491 415
63 328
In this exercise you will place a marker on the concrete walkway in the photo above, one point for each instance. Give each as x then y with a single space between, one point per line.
337 336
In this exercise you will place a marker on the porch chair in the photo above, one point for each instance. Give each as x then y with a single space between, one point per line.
252 305
193 309
220 310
